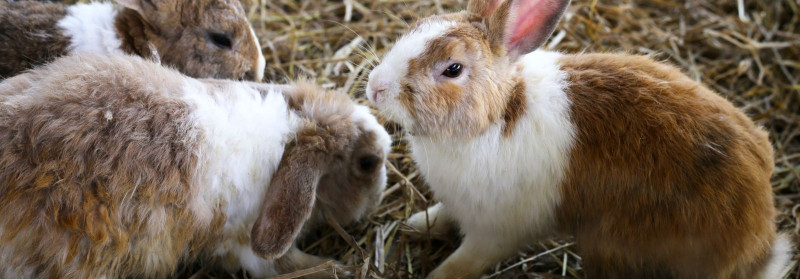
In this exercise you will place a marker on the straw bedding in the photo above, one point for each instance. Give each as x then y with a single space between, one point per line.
748 51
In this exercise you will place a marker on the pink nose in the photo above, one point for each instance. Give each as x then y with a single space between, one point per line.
377 88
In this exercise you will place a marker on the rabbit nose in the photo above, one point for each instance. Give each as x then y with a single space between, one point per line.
377 88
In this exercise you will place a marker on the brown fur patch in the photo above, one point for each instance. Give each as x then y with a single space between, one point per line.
29 36
439 105
322 163
515 108
97 170
290 198
131 29
667 179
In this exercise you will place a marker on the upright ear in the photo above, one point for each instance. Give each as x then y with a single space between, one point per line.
524 25
290 197
483 8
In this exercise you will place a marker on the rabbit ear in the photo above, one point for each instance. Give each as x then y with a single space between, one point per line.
135 5
525 24
290 198
139 5
484 8
288 202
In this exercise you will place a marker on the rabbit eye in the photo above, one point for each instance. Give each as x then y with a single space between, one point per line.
368 163
453 71
220 40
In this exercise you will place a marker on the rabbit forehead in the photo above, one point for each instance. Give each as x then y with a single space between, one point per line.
412 45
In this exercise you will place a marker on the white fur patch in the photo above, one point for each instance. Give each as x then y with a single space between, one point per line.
394 67
245 137
779 259
361 114
91 28
256 266
497 187
261 61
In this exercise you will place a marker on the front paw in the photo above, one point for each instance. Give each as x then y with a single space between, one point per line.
432 222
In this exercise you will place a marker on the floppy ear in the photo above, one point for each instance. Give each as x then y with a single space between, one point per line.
290 197
525 24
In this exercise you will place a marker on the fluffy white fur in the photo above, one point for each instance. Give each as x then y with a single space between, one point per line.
245 138
91 28
394 67
780 258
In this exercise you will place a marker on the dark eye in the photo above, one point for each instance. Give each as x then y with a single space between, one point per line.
220 40
453 71
368 163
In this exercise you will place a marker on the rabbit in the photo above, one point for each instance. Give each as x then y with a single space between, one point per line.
202 39
114 167
653 174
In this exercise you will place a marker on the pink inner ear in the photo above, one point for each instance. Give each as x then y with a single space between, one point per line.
528 16
491 8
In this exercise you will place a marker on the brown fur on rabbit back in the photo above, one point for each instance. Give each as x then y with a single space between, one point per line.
29 36
665 170
89 181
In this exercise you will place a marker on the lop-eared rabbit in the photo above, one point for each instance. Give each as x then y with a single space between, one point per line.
653 174
116 167
200 38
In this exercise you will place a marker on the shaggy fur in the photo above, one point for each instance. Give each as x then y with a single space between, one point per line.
178 33
92 180
637 161
117 167
29 36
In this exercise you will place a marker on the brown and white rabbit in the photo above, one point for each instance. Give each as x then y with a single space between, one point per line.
653 174
201 38
115 167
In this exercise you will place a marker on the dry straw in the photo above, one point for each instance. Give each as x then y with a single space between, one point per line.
747 50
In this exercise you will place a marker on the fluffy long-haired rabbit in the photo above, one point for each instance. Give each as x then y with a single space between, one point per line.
201 38
115 167
654 175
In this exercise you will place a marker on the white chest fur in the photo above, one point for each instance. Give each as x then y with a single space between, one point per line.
245 135
91 28
511 186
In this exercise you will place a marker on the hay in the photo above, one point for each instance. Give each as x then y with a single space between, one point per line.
748 51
